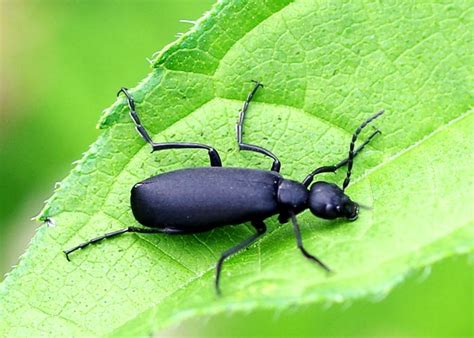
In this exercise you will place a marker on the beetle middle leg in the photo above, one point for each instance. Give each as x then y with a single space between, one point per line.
250 147
214 157
261 229
116 233
352 154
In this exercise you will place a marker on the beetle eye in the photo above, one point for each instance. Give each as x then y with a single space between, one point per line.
351 211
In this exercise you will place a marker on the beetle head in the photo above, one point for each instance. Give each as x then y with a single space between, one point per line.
327 200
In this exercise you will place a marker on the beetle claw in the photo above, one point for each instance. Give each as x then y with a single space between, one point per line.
67 255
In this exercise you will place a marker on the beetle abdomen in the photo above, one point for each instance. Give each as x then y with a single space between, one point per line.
199 199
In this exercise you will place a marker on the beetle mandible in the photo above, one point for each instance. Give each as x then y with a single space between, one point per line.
194 200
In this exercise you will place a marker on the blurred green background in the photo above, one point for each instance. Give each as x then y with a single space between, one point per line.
61 63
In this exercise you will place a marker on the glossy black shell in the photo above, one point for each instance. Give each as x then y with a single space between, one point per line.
198 199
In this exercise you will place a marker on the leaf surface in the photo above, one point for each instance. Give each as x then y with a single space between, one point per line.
326 66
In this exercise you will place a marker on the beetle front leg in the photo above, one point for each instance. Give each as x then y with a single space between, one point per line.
299 243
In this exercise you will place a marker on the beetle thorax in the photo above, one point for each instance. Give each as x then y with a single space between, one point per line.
292 195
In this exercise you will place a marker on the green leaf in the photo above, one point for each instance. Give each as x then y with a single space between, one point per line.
326 66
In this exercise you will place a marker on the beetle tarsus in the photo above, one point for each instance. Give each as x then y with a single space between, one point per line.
66 253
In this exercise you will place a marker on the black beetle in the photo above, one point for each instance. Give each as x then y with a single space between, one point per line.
194 200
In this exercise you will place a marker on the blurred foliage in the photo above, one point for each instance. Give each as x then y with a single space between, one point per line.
58 62
62 63
436 303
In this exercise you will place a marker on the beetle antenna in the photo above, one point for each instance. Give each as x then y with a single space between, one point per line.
350 158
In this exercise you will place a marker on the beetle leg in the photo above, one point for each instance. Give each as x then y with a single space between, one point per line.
133 114
261 229
213 154
250 147
113 234
299 243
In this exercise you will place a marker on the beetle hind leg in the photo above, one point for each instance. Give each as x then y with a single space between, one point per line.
261 228
114 234
214 157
